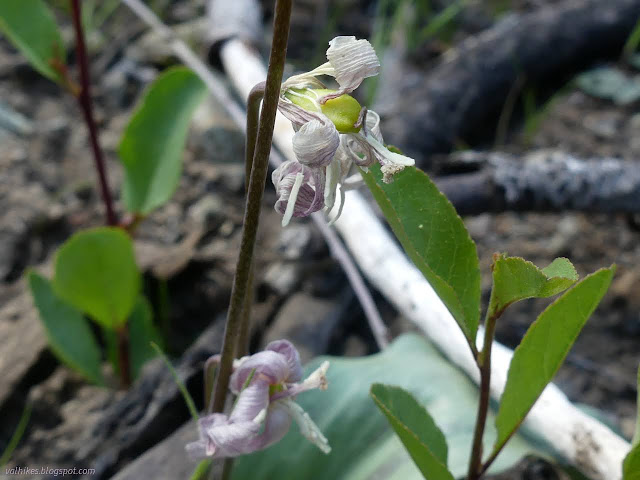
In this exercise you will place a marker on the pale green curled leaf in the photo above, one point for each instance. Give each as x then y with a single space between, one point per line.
363 444
68 332
416 429
515 279
435 239
202 470
142 333
188 399
152 145
543 349
96 272
31 28
631 465
17 435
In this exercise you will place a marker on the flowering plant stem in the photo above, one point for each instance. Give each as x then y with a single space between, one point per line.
255 192
476 468
83 95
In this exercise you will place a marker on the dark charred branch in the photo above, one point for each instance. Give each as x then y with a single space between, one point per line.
461 99
545 181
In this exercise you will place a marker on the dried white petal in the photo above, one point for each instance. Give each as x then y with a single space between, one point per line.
293 196
353 61
308 428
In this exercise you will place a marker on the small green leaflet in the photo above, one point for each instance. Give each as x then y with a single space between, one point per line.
631 465
68 333
96 272
435 239
32 29
416 429
515 279
152 145
544 348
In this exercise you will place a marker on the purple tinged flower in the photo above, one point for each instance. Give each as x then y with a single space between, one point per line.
266 384
300 190
324 155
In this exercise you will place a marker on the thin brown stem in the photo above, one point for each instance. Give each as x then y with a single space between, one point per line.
84 99
253 121
484 362
254 198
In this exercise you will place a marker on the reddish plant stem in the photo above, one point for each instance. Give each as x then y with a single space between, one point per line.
83 95
484 362
84 99
123 355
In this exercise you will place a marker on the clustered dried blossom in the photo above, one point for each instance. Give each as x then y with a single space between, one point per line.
325 155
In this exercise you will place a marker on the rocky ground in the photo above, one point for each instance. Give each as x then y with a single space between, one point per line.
188 247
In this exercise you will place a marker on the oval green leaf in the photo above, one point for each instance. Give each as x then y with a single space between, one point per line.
515 279
31 28
435 239
364 446
95 271
416 429
543 349
153 142
69 335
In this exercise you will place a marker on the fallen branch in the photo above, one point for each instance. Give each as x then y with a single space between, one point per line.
463 97
580 439
544 181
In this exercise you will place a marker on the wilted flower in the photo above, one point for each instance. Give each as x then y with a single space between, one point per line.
266 384
333 132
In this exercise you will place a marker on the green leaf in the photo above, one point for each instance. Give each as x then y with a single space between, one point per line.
544 348
142 333
188 400
68 333
202 470
631 464
364 446
96 272
515 279
32 29
636 436
17 435
416 429
435 239
153 142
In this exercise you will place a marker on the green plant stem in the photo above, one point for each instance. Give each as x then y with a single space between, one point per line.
84 99
254 198
484 363
124 361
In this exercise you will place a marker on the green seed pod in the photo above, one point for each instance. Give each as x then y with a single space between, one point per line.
343 111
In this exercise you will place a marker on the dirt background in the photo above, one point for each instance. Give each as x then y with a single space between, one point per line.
47 191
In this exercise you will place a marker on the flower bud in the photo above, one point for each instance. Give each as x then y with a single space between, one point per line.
343 111
316 143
